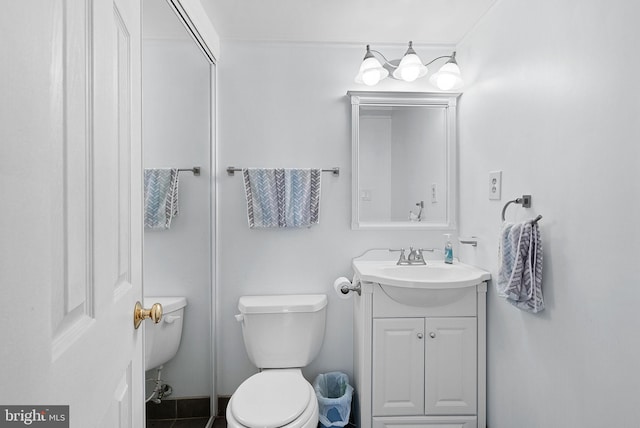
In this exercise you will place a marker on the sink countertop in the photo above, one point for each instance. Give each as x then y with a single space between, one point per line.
434 275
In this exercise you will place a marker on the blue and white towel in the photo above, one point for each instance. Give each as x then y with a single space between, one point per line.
520 273
282 197
160 197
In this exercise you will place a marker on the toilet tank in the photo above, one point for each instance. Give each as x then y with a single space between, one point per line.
283 331
162 340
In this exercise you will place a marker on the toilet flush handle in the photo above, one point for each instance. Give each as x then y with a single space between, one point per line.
170 319
239 317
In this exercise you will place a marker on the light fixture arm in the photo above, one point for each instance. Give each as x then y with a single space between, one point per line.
386 61
391 64
451 57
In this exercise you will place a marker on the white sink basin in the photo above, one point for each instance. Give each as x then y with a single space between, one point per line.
433 284
434 275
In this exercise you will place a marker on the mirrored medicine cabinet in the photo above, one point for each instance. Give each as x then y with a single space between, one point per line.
403 160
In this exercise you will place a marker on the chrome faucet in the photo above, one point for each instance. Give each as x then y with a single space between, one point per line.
402 260
415 257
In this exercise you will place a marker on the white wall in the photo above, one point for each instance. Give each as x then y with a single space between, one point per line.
285 105
552 101
178 261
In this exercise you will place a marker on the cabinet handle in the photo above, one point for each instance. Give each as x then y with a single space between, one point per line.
432 335
420 336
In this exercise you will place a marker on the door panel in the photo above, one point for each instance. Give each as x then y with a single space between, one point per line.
72 253
450 361
122 55
398 366
119 413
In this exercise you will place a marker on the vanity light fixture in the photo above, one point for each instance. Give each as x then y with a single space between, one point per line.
409 68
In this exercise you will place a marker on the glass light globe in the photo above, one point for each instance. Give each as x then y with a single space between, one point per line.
371 72
370 77
410 68
445 81
448 77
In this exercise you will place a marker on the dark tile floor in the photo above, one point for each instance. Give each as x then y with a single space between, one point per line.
182 413
179 423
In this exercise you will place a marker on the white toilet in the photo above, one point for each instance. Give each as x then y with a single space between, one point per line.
282 334
162 340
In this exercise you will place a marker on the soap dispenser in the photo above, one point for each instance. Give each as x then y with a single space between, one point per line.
448 250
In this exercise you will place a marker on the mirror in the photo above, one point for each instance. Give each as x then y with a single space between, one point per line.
179 98
404 160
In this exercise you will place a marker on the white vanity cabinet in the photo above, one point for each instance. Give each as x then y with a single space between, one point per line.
420 366
424 366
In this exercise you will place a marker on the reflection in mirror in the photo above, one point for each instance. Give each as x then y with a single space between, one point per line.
403 166
178 97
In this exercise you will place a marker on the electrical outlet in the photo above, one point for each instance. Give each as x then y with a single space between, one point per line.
434 193
495 185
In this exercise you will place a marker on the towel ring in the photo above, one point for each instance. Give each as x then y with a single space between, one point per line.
525 200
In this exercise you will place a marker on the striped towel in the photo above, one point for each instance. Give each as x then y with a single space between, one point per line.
520 273
282 197
160 197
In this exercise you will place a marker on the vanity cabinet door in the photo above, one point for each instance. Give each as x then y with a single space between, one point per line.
450 362
398 366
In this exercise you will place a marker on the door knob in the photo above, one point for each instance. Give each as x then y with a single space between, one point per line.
432 335
420 336
140 314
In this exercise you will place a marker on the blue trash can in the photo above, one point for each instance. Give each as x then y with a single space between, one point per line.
334 399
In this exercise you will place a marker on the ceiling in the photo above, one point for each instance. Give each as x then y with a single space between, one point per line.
159 21
346 21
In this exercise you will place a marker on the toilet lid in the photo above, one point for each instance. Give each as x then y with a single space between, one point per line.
271 399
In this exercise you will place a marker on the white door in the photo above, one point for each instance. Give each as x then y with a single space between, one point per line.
70 188
451 367
398 366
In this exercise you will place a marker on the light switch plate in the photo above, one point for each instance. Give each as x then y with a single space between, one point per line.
495 185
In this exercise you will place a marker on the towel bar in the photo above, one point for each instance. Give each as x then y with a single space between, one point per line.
525 200
195 170
335 170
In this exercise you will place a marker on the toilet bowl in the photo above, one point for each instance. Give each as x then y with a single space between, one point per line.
162 340
282 334
274 398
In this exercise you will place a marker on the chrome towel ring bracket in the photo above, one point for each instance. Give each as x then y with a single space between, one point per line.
525 201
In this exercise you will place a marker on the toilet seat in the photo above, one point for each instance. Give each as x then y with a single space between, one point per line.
272 399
